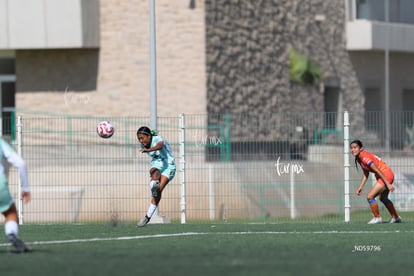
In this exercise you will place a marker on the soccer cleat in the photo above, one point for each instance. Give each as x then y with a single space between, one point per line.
395 220
18 244
375 220
143 221
155 190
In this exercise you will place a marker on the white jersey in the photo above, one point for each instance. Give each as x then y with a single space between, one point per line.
165 154
8 153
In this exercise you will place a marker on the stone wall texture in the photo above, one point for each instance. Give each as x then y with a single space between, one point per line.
248 45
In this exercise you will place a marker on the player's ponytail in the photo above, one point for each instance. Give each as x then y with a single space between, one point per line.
147 131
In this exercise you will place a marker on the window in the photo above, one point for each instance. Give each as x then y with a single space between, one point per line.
331 101
401 11
373 104
408 107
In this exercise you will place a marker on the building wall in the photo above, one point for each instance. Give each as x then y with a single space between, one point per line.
114 79
248 44
49 24
223 56
57 70
371 74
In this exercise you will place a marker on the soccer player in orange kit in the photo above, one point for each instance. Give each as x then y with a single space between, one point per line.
370 163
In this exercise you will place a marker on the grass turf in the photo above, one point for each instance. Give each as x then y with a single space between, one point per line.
213 249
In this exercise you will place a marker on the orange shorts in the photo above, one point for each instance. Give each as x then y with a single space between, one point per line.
389 175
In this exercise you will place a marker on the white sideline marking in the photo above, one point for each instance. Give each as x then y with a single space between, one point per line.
207 233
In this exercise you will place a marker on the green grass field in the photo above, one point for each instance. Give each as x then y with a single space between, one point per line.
213 249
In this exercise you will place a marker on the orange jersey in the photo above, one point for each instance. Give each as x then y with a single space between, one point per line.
366 159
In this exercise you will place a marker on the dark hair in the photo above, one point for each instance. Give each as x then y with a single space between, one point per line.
147 131
359 143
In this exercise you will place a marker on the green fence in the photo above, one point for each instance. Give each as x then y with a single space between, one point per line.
231 167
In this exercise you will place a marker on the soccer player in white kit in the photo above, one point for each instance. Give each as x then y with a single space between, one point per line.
7 205
162 167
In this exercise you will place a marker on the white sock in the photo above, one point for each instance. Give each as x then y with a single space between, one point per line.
151 210
152 182
11 227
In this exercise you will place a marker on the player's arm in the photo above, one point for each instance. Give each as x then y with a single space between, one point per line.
14 159
362 183
378 172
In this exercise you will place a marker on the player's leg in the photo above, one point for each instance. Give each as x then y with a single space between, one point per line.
154 184
166 176
11 229
164 180
157 186
395 218
159 180
373 204
9 211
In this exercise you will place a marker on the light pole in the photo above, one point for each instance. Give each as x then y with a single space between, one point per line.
153 68
156 218
387 81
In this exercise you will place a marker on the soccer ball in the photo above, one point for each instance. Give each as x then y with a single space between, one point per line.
105 129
